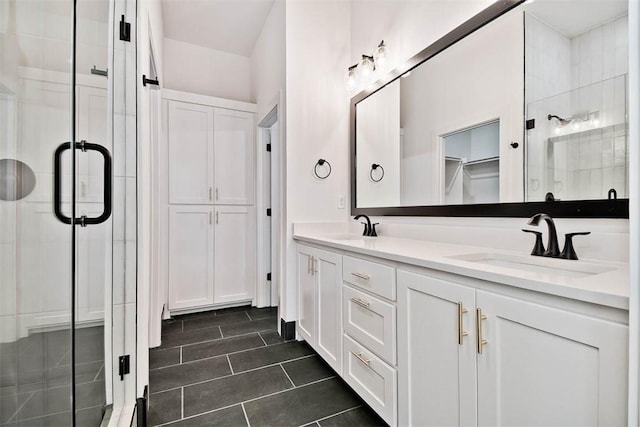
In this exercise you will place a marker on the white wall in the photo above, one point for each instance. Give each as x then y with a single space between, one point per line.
268 61
317 49
197 69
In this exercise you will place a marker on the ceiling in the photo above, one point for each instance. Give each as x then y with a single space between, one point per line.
231 26
572 17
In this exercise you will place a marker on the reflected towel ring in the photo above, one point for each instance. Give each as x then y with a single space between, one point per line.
374 167
322 162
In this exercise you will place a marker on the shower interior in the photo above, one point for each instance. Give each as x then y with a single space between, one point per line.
67 291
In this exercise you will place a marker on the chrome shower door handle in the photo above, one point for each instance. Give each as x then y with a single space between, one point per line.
57 190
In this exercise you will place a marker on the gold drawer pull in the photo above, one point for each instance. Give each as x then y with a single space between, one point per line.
461 332
361 358
480 341
360 302
362 276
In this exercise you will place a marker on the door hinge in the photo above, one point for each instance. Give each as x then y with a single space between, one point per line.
530 124
269 276
124 366
125 30
269 147
269 212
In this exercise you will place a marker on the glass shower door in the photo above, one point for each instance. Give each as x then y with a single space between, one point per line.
62 257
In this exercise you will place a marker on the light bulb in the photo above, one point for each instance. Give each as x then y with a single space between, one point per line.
380 56
557 130
350 79
366 66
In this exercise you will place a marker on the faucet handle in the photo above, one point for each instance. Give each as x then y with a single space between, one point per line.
538 247
568 252
373 230
366 229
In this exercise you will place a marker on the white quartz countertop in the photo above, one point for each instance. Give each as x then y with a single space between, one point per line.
609 288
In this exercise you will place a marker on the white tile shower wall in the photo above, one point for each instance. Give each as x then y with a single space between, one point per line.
548 56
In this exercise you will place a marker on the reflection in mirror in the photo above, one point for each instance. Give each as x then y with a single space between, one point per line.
576 93
471 165
571 140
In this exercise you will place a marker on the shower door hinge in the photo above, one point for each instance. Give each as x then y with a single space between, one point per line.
269 212
124 366
269 276
269 147
531 124
125 30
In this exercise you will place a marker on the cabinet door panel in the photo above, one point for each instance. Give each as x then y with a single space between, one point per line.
234 164
235 277
306 295
190 256
542 366
190 139
436 374
328 272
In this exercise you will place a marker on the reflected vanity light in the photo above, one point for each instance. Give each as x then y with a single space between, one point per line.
364 72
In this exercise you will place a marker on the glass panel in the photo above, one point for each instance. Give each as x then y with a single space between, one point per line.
35 247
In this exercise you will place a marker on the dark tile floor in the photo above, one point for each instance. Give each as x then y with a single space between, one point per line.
35 378
231 368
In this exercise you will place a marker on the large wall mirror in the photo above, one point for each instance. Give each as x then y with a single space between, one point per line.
522 108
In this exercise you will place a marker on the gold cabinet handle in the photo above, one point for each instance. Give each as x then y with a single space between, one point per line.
210 193
362 276
360 302
314 265
217 217
308 264
479 340
361 358
216 193
461 333
209 217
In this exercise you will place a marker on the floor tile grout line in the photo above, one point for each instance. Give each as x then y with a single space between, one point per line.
238 373
98 373
230 366
221 334
15 414
220 355
287 374
247 313
61 412
250 400
265 343
181 402
246 417
215 339
337 413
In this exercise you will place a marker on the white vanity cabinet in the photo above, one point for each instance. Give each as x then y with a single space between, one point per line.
474 357
319 302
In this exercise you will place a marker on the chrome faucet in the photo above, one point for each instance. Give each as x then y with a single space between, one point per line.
369 229
552 250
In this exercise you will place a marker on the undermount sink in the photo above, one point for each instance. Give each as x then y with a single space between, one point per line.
550 266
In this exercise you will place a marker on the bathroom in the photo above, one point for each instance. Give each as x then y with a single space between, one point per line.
145 280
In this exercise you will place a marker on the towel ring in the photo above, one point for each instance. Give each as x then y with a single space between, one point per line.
322 162
374 167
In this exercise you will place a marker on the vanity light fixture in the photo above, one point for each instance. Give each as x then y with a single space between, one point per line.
363 73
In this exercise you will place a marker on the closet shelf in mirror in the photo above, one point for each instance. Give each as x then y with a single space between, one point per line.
585 132
481 161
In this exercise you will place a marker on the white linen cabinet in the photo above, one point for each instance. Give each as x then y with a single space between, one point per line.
469 356
210 145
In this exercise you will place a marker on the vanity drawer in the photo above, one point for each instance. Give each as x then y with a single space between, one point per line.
371 321
373 380
377 278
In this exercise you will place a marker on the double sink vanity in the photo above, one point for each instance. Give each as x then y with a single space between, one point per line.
431 333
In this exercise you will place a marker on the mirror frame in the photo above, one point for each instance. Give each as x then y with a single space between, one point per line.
618 208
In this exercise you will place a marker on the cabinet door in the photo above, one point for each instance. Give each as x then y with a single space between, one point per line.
542 366
190 140
327 268
235 257
436 369
234 164
190 256
306 294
